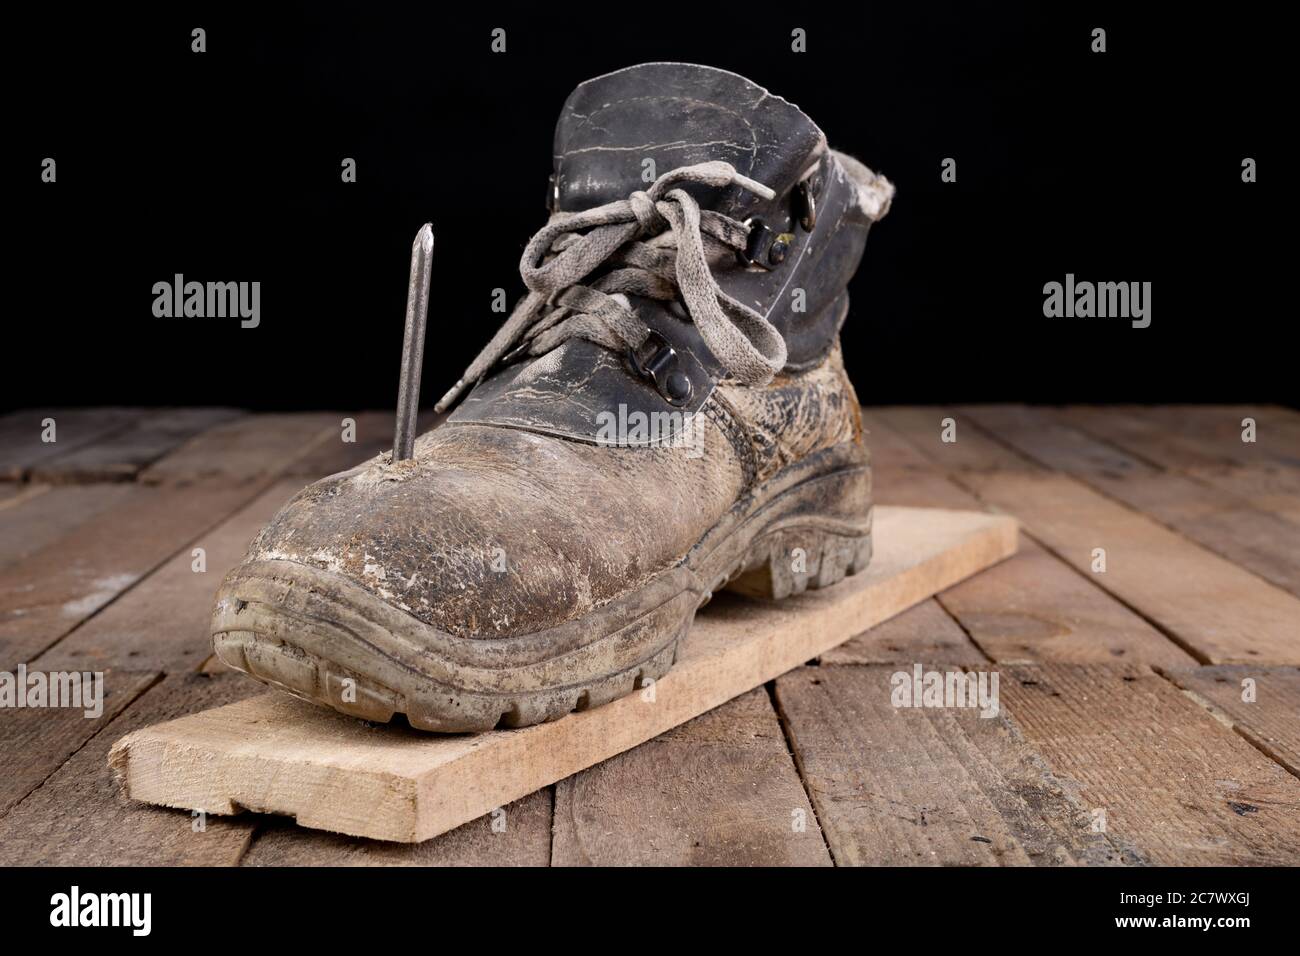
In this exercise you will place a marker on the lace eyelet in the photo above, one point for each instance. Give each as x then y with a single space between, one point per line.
656 361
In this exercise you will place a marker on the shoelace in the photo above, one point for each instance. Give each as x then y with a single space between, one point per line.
656 240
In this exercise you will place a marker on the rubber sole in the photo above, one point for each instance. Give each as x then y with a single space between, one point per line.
320 637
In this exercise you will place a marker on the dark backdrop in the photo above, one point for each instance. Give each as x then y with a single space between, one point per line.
1123 166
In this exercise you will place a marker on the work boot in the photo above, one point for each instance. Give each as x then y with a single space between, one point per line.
664 414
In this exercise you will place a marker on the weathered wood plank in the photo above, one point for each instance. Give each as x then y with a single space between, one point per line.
924 633
1265 543
927 786
1032 607
1216 610
21 444
1266 712
51 592
720 790
77 817
34 742
121 455
278 754
245 449
1272 488
1162 773
48 513
54 590
971 449
1190 436
164 623
13 494
518 834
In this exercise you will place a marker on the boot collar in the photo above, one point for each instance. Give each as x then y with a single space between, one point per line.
619 131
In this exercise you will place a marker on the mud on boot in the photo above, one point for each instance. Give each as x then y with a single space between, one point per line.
529 559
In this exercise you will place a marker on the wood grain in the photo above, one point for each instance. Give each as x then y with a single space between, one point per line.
54 590
77 817
1230 525
123 454
923 633
164 622
1171 779
21 446
720 790
1271 721
35 742
927 786
518 834
46 514
1216 610
1033 606
245 449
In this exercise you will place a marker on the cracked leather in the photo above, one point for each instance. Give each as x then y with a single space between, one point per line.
496 532
678 114
500 532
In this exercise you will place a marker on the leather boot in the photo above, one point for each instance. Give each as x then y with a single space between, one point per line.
665 413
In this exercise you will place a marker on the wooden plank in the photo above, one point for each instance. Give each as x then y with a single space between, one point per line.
1232 526
1271 488
927 786
1169 778
245 449
720 790
281 755
923 633
1032 607
1216 610
48 513
54 590
164 623
1266 712
1190 436
21 445
34 742
121 455
13 494
518 834
51 592
970 450
78 818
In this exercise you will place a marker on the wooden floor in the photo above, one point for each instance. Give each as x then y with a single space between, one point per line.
1150 711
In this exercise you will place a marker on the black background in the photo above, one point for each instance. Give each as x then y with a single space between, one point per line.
225 166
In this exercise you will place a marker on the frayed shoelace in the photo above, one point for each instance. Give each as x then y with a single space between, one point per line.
655 239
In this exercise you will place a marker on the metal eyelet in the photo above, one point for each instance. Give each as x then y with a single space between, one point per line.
656 360
807 206
760 239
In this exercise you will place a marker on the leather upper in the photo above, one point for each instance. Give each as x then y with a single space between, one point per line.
676 114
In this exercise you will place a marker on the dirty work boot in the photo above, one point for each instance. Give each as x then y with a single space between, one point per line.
664 414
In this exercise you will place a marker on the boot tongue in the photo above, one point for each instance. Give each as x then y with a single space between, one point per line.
677 114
